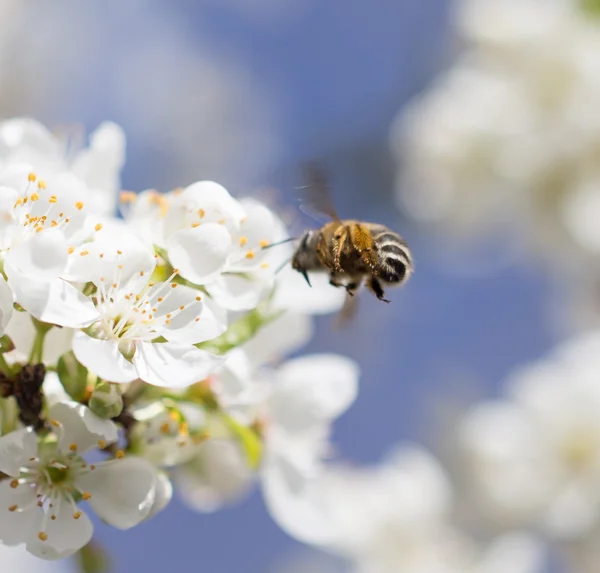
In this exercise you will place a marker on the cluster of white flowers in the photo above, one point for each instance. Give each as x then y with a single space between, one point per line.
145 351
528 467
508 137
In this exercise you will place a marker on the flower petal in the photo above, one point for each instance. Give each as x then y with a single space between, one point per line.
279 338
201 203
103 358
295 501
173 365
16 526
199 253
241 291
54 302
22 332
6 304
163 493
42 256
218 475
293 293
191 327
116 253
313 389
66 535
15 450
124 492
80 426
99 166
257 229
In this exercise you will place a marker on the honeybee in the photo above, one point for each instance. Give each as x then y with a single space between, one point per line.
350 251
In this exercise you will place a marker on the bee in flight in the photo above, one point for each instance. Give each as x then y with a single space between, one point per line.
350 251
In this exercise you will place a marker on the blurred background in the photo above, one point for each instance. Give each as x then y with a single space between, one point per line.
243 92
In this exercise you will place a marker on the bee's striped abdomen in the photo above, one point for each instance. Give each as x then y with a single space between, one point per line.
395 262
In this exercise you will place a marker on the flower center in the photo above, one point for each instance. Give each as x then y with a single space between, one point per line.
37 209
127 316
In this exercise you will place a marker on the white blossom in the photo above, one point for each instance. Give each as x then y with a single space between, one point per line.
94 170
137 328
535 456
395 518
49 477
508 137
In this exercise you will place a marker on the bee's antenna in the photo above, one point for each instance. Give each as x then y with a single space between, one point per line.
280 242
283 265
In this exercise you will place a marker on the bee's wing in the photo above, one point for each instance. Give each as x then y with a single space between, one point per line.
347 312
316 198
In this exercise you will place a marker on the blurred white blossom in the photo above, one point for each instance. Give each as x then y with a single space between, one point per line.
395 518
534 457
508 138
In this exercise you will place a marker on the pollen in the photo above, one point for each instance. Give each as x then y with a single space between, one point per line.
93 466
73 447
13 507
243 241
264 266
84 253
42 536
195 225
41 184
32 177
101 444
201 213
141 273
86 495
160 299
173 285
53 517
119 454
263 243
182 307
14 483
34 196
79 205
250 254
127 197
71 250
198 298
165 428
98 227
52 199
77 515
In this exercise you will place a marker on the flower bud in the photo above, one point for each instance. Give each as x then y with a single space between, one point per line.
6 344
106 400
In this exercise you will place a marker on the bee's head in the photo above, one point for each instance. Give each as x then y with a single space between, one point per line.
304 255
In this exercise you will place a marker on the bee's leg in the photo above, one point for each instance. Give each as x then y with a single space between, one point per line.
334 281
376 288
336 254
353 286
338 241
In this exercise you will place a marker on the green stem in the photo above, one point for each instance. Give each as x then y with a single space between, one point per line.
37 350
4 367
